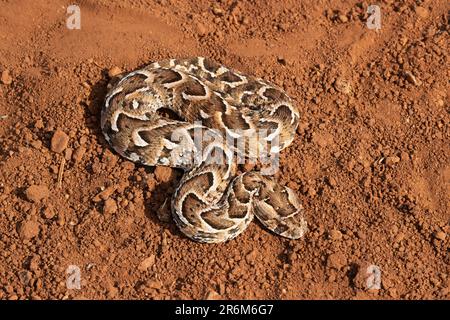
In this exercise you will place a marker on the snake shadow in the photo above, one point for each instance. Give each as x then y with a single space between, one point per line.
157 196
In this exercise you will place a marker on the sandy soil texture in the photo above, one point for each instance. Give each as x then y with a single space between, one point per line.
370 161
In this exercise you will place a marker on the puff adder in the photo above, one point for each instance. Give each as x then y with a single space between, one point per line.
212 203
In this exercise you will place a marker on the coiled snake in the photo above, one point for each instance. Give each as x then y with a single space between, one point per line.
213 105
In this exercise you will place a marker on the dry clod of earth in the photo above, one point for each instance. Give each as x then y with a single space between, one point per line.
163 174
28 229
110 206
114 71
59 141
36 193
336 260
440 235
147 263
6 77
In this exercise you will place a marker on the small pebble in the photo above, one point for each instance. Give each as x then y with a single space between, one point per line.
336 260
440 102
83 140
59 141
68 153
293 185
440 235
112 291
61 219
163 174
110 159
37 144
48 212
400 236
335 235
147 263
332 181
6 78
251 257
422 12
212 295
110 206
391 160
78 154
114 71
342 85
39 124
302 127
404 156
311 192
153 284
105 194
217 11
201 29
342 18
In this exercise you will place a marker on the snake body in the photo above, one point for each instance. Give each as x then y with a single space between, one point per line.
201 116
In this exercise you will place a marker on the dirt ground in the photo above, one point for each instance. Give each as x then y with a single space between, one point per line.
370 162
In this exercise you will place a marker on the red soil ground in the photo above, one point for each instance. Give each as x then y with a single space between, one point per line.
370 161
